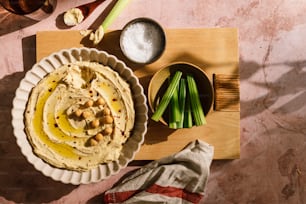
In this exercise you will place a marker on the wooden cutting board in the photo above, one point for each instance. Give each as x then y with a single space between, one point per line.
215 50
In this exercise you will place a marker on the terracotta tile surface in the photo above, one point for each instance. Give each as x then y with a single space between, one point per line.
272 166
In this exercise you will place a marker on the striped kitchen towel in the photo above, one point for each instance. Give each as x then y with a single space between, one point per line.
178 179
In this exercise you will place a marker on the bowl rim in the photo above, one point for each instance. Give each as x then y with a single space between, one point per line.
155 75
146 20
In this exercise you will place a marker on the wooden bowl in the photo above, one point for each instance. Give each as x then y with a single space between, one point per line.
159 84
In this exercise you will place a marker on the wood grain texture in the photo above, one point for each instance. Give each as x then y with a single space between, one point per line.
227 94
215 50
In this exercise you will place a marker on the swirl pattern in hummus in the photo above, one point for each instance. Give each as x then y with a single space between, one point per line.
56 124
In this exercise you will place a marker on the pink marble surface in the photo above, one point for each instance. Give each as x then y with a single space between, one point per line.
272 166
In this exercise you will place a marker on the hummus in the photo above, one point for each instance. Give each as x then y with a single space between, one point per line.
80 116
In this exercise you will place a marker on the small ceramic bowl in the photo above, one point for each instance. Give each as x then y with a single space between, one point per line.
142 40
159 84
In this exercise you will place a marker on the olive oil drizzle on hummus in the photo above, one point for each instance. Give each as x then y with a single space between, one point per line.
61 138
59 148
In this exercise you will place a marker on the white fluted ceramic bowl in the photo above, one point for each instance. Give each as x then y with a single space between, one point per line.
47 65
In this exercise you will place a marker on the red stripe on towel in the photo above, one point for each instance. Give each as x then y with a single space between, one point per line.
118 197
175 192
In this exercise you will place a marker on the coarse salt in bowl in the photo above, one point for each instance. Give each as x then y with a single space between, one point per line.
142 40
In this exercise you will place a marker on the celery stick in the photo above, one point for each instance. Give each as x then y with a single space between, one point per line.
197 110
98 34
187 113
172 122
160 109
174 109
182 101
175 105
120 4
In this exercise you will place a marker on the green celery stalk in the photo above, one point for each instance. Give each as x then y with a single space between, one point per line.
174 110
172 122
187 113
120 4
182 101
197 110
160 109
98 34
